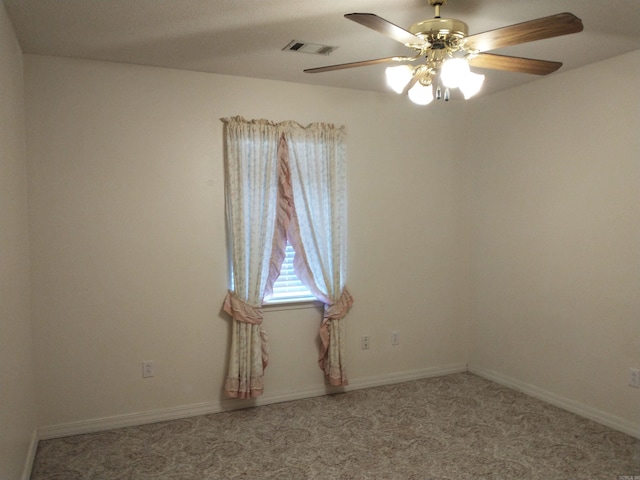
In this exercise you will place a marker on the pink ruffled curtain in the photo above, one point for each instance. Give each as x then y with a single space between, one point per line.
266 180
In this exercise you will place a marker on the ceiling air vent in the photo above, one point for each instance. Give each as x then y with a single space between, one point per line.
315 48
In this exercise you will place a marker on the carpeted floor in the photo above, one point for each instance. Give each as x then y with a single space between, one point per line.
453 427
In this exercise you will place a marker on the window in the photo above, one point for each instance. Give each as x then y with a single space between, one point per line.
288 287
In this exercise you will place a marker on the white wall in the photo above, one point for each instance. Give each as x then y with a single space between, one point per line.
556 235
17 400
128 236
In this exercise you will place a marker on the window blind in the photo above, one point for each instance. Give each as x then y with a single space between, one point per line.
288 287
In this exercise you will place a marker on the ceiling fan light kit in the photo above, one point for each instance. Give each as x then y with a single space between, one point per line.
447 50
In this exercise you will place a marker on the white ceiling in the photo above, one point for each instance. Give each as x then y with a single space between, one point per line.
246 37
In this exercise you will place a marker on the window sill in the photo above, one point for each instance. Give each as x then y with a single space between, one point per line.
291 305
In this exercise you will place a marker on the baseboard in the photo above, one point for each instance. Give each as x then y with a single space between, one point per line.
393 378
578 408
31 456
175 413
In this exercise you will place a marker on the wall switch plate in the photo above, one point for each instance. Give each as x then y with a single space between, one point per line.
395 338
147 368
364 342
634 377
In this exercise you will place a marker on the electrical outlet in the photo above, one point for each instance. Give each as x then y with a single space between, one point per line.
395 338
634 377
364 342
147 368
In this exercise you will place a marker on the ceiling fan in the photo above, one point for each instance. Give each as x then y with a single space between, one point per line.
448 50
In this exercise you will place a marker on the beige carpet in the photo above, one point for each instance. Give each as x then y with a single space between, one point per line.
453 427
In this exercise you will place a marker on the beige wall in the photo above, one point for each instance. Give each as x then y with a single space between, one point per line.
556 237
128 236
17 401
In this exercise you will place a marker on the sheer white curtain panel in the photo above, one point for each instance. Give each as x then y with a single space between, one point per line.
318 231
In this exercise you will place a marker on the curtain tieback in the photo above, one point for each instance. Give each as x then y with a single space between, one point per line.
339 309
241 310
333 311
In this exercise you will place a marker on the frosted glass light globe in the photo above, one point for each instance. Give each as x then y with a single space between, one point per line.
454 72
398 77
420 94
471 85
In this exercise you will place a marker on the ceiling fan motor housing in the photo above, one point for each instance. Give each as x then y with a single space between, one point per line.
441 33
434 28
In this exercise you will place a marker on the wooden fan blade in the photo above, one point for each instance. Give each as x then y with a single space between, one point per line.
362 63
387 28
514 64
539 29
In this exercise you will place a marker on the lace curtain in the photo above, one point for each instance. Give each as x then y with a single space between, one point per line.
284 182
